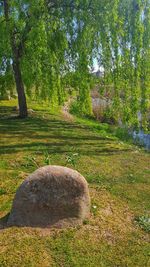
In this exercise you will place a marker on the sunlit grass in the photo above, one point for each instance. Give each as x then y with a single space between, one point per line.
118 174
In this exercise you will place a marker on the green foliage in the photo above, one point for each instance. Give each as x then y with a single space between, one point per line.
2 192
72 158
74 108
123 134
144 222
47 160
58 43
30 161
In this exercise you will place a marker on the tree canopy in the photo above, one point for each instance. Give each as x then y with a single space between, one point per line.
49 45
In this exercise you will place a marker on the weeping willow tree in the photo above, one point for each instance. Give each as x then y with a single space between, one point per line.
123 52
123 45
46 44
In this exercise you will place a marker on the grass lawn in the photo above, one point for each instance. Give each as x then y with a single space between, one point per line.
118 174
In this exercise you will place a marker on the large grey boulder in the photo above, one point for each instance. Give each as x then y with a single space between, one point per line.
51 196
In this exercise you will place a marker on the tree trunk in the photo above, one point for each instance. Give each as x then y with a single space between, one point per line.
23 113
16 55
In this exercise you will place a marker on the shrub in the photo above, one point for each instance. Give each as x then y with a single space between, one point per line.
144 222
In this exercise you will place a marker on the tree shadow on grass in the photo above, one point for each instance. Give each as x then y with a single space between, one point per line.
7 112
60 148
52 135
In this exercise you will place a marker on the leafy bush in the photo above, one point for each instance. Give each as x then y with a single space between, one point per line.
74 108
123 134
81 109
144 222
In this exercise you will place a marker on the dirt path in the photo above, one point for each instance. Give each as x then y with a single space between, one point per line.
65 111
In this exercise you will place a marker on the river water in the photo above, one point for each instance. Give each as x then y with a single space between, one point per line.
138 137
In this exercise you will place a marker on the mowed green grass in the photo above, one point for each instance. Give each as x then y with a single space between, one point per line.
119 181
